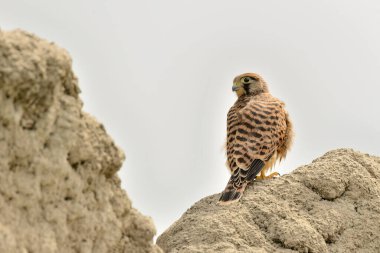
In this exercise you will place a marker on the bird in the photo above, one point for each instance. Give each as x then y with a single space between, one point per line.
259 133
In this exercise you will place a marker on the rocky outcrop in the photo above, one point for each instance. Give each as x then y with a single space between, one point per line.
330 205
59 191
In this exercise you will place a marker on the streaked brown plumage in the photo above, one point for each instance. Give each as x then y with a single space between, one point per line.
259 133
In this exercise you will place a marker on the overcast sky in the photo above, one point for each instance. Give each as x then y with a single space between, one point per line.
158 74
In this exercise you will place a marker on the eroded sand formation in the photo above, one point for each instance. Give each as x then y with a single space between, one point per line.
330 205
59 191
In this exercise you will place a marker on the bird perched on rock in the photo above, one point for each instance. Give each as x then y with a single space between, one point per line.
259 132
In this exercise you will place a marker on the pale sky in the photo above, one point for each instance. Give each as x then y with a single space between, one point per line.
158 75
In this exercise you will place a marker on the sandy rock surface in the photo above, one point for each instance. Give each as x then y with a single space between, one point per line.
58 187
330 205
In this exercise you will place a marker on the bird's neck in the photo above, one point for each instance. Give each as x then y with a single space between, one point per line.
250 94
243 100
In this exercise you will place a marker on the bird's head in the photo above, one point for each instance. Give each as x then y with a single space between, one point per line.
249 84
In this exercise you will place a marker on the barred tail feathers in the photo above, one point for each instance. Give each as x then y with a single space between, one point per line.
238 182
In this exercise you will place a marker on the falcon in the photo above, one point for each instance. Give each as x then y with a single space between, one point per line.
259 133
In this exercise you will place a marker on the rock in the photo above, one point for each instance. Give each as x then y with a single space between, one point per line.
330 205
59 191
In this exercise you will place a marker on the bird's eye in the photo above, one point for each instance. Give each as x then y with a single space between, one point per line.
246 79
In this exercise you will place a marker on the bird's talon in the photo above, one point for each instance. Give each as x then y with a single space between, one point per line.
272 175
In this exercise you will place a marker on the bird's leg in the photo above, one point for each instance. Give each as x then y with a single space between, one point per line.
267 167
271 175
262 175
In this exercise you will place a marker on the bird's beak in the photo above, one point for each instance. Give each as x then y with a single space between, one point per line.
235 87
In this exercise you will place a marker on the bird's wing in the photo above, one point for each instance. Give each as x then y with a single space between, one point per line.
258 130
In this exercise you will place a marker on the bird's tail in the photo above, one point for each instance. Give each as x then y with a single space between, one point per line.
232 194
238 181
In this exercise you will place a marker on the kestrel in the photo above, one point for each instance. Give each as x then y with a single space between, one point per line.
259 132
